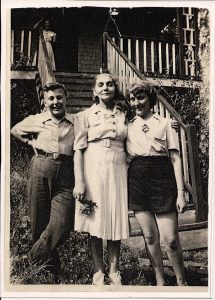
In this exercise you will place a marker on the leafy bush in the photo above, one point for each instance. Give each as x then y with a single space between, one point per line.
24 101
188 103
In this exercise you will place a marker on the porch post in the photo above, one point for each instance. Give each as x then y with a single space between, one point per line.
180 41
196 33
104 52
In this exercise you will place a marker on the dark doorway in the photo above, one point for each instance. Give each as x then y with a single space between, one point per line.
66 47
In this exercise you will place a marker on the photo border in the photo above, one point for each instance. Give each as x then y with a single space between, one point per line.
8 290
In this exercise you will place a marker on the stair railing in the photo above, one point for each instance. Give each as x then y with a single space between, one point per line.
120 66
154 56
46 73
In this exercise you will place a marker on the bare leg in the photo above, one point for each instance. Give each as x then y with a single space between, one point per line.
113 254
168 227
97 253
149 228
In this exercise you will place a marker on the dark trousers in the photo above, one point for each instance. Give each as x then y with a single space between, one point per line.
49 189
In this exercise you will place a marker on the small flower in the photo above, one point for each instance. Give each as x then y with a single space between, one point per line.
88 207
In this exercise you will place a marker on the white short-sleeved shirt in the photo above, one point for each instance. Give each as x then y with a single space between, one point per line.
50 134
160 138
95 124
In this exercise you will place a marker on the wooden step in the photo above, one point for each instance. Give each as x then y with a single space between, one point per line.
186 221
76 81
79 94
79 102
190 240
75 109
79 89
74 75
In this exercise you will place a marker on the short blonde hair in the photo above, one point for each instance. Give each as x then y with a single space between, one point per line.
142 86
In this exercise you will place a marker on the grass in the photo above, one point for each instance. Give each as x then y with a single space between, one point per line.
75 253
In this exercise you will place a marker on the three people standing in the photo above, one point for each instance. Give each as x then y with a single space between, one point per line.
155 182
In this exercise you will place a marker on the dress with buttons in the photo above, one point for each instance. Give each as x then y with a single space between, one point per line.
102 134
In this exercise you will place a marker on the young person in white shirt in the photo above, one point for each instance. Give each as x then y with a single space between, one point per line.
155 181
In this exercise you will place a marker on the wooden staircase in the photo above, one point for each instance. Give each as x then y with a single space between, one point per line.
79 89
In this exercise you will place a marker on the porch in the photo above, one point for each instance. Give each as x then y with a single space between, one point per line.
166 47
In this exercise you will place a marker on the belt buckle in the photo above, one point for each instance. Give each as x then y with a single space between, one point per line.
106 142
56 155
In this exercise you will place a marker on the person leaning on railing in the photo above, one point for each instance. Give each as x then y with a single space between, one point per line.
51 179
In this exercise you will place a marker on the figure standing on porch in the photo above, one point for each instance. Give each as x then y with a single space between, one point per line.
50 178
155 181
101 177
50 38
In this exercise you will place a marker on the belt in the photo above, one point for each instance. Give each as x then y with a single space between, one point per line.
54 155
108 143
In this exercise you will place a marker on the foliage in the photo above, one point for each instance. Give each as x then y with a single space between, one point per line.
24 101
21 61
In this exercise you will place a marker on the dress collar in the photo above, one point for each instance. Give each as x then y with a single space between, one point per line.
96 108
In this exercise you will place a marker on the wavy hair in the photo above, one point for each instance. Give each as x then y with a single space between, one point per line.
54 85
141 86
115 82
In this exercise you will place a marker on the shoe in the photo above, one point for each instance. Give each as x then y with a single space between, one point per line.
98 279
182 284
115 278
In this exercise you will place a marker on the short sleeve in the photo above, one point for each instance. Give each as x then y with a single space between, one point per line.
81 131
31 124
172 137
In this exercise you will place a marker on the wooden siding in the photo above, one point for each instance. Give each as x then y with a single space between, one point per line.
89 55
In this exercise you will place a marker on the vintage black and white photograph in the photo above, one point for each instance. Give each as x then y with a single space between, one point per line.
108 128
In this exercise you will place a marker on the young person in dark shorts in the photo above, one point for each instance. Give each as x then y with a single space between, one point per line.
50 178
155 181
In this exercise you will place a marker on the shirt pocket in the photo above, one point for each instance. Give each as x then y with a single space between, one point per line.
160 138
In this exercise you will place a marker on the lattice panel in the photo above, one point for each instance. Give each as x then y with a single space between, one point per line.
189 43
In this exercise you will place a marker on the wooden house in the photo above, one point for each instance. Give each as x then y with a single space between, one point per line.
160 44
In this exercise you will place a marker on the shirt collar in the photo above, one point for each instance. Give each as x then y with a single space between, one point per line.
96 108
48 116
155 115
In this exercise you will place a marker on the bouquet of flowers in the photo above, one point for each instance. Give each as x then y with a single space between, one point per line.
88 207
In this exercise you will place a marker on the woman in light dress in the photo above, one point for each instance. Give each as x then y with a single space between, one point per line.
101 177
50 38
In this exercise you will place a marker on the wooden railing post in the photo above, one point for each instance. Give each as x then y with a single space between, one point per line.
104 52
180 40
195 173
